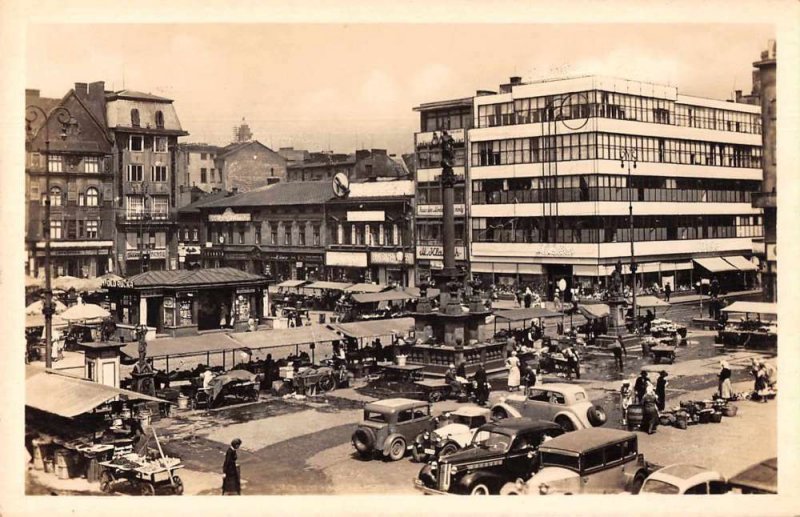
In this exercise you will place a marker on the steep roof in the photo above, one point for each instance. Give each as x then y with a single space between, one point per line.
132 94
198 277
292 193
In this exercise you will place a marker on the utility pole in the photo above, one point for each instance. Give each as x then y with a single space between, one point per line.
628 156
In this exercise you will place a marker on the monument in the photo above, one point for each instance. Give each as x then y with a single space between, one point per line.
615 299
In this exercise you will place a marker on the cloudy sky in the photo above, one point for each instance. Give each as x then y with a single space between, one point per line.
343 87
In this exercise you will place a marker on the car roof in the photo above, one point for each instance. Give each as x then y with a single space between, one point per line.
587 439
394 404
686 472
558 386
471 411
515 425
761 476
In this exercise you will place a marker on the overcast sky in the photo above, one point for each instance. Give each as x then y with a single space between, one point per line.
344 87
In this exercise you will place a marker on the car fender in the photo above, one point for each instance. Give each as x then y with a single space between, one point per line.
577 422
481 475
511 410
387 443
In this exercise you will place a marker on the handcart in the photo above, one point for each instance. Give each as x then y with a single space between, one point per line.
147 477
663 351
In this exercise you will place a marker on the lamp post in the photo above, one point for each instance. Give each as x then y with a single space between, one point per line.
628 156
64 117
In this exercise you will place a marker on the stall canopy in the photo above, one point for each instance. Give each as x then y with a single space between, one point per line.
753 308
715 265
34 281
386 296
70 396
84 312
36 308
740 263
184 346
594 310
37 320
531 313
374 328
291 283
338 286
649 301
414 292
283 337
366 288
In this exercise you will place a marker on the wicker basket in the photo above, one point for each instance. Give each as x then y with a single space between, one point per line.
730 410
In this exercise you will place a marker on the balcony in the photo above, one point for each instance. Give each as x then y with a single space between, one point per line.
146 217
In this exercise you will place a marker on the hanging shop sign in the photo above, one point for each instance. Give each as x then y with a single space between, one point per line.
228 216
437 252
119 284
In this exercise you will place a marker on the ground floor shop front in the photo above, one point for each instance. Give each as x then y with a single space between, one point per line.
87 259
277 266
380 267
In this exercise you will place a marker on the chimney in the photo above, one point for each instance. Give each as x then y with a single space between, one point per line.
515 80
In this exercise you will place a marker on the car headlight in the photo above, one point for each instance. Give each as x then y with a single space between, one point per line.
434 465
453 469
543 489
426 435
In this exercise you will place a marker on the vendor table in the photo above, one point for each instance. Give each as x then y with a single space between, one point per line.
146 476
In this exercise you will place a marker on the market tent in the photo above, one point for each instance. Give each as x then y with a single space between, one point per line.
715 264
414 292
366 288
386 296
36 308
84 312
753 307
740 263
34 282
70 396
79 284
531 313
184 346
339 286
282 337
375 328
37 320
649 301
594 310
291 283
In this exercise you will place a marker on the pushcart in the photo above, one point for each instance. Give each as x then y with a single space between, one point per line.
663 351
148 478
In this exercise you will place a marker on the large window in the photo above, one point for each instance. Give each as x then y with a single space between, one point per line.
55 196
55 229
287 234
258 233
134 206
273 234
203 175
92 229
135 173
137 143
159 119
160 144
159 173
455 118
92 196
55 163
160 207
301 235
91 164
316 236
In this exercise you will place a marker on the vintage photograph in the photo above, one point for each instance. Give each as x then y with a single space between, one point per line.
400 259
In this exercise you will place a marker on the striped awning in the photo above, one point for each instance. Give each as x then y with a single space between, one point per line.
740 263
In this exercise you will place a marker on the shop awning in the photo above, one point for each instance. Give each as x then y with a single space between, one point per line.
366 288
414 292
649 301
69 396
282 337
291 283
740 263
715 265
668 267
340 286
189 345
374 328
526 314
587 270
386 296
753 308
37 320
594 310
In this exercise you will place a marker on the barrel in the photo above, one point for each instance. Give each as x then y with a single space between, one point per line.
145 417
183 401
635 415
48 465
715 417
38 454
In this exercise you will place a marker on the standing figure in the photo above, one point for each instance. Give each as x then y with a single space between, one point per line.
573 363
725 389
618 349
650 411
512 364
761 382
640 388
231 482
667 291
661 390
483 385
528 297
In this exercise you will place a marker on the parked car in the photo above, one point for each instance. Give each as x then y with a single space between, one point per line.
587 461
406 381
499 452
683 478
761 478
566 404
390 425
455 432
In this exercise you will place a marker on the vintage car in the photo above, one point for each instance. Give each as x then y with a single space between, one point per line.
565 404
455 432
406 381
389 427
499 452
761 478
587 461
683 478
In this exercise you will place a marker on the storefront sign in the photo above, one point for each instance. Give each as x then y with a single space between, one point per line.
72 253
555 251
438 211
245 290
118 284
188 250
150 293
309 259
436 252
391 258
228 216
366 216
154 254
298 264
346 259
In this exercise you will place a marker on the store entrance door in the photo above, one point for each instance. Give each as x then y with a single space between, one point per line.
154 312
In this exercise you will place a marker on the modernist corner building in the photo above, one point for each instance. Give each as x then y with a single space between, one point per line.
547 190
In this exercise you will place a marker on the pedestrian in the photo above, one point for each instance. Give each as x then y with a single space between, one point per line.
640 388
724 387
667 291
761 383
573 362
661 390
649 411
617 348
483 385
771 376
512 364
298 319
528 297
378 350
231 482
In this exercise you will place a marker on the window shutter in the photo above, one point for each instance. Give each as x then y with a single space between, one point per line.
107 193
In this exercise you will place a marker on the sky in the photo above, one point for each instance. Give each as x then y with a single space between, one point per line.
343 87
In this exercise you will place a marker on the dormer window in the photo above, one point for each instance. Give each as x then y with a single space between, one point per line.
135 117
159 119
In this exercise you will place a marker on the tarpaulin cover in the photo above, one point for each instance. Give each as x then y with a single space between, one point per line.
526 314
375 328
752 307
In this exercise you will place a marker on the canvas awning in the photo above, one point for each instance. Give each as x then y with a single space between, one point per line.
366 288
374 328
594 310
282 337
84 312
36 308
753 308
715 265
740 263
340 286
183 346
70 396
291 283
526 314
414 292
37 320
386 296
649 301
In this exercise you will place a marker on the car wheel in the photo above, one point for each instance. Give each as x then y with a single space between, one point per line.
435 396
450 448
565 423
364 441
480 489
499 413
397 450
596 416
509 489
636 485
177 488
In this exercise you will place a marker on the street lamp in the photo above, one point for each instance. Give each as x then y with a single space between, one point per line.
64 117
628 156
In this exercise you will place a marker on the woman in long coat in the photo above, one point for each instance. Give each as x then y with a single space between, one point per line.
725 388
231 483
650 411
512 363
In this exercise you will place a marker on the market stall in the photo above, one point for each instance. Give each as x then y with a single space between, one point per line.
756 328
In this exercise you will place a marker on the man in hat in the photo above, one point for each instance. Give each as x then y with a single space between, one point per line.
661 390
482 394
451 379
640 388
231 482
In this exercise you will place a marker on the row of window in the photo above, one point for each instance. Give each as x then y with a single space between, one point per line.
432 158
204 175
189 234
158 173
135 206
89 198
74 229
430 193
367 234
429 232
62 163
595 103
149 240
136 143
610 188
613 228
158 118
237 234
456 118
609 146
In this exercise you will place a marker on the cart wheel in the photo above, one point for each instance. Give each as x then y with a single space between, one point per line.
254 395
147 488
177 489
326 384
435 396
105 481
